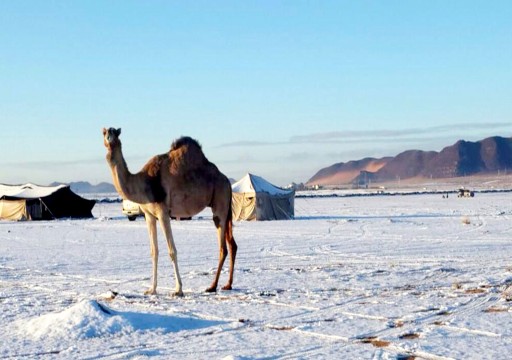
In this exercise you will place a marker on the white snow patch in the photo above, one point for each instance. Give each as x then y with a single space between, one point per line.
86 319
90 318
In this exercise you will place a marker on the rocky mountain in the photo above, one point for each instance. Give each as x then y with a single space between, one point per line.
460 159
345 173
84 187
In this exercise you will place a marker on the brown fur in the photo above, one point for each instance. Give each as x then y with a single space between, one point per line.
181 182
154 165
186 156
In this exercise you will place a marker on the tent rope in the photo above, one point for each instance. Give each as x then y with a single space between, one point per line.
47 208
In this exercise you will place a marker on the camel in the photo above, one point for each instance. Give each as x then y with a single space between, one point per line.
179 183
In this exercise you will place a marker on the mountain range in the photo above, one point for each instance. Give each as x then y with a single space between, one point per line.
463 158
83 187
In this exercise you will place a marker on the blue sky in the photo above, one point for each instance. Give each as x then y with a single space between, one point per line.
276 88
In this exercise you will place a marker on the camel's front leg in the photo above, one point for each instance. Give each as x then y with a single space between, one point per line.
165 223
151 223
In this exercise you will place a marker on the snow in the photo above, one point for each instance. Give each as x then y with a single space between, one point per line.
28 191
90 318
381 277
252 184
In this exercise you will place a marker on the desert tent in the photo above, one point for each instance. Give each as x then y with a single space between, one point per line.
33 202
254 198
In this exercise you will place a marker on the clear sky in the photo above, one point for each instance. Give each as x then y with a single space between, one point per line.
276 88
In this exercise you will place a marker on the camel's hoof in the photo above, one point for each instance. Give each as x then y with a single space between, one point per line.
178 294
150 292
227 287
211 289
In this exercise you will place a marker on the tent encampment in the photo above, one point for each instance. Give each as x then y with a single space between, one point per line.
33 202
254 198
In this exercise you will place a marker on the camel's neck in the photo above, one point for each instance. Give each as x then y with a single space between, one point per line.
129 186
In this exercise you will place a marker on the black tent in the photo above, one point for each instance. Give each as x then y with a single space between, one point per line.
33 202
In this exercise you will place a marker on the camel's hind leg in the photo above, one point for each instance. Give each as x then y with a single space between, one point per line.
151 224
221 231
225 236
232 252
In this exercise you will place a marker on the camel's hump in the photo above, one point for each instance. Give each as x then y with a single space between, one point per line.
186 155
184 141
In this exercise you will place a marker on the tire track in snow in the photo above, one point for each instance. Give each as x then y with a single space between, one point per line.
386 347
418 325
475 303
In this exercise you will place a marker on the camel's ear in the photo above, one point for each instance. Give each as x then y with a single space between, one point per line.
118 132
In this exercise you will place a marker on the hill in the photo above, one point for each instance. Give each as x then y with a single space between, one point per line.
84 187
463 158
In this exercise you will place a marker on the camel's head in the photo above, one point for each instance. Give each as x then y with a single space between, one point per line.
111 137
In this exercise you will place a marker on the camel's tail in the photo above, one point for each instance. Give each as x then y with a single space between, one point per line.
229 225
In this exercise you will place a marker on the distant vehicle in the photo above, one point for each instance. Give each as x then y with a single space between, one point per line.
132 210
465 193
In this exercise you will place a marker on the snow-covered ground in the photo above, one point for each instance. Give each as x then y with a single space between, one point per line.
389 277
